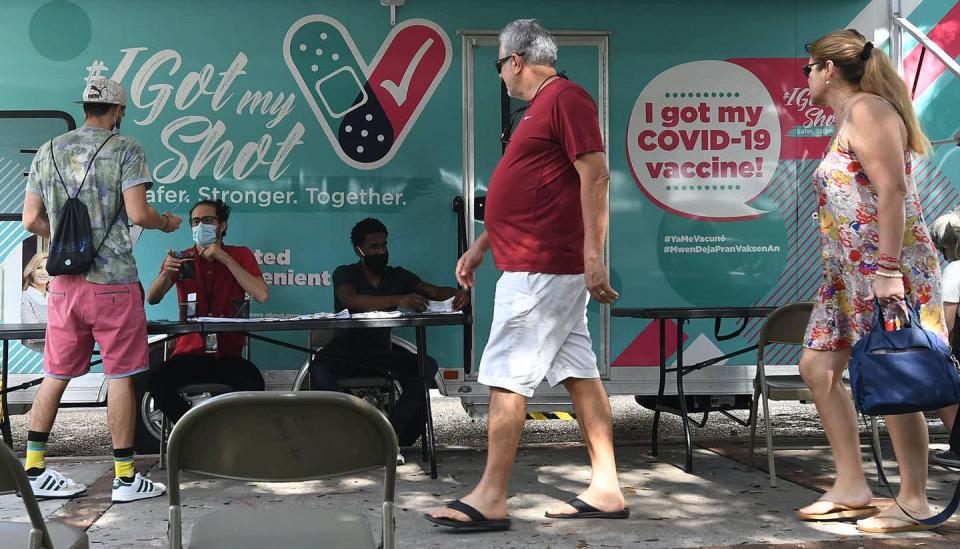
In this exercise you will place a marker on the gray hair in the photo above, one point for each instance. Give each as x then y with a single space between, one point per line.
945 232
526 36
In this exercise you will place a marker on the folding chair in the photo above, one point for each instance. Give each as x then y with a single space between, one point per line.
281 437
35 534
787 326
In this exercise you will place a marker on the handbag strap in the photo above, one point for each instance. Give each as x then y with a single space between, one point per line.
951 507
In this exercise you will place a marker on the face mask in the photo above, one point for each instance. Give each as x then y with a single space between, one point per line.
204 234
377 262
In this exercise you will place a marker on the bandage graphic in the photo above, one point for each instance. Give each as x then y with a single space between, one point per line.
366 110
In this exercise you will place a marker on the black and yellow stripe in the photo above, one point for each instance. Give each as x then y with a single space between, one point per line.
539 416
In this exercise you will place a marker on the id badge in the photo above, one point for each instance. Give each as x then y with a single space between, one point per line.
210 343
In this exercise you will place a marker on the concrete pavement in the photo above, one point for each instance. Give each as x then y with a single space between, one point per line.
722 503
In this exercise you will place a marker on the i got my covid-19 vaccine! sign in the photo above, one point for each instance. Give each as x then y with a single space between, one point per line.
704 140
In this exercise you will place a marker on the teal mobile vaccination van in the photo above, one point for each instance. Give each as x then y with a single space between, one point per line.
308 116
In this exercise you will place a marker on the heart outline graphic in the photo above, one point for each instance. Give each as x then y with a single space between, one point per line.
390 86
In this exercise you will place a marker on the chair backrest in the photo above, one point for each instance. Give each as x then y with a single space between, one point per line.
786 325
13 478
281 436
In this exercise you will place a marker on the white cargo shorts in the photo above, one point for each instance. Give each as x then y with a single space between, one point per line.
539 330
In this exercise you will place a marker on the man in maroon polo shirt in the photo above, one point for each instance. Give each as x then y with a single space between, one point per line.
213 279
546 221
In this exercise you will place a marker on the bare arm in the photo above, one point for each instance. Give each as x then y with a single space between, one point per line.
35 218
164 281
950 314
594 181
142 213
878 138
443 293
470 261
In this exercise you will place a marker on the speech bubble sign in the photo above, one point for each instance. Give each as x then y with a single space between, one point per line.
704 140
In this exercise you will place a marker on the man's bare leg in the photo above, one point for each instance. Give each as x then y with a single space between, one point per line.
508 410
121 411
46 403
596 423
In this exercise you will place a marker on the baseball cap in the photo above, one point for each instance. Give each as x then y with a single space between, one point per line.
104 90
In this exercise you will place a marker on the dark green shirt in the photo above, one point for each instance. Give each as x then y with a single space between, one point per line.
393 281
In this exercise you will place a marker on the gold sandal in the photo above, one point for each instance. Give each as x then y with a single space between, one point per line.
839 511
894 512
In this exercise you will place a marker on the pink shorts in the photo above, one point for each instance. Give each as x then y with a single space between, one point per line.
80 313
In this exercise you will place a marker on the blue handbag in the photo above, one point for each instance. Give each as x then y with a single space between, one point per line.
904 371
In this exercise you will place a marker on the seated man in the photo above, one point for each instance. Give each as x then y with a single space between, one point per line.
213 279
370 285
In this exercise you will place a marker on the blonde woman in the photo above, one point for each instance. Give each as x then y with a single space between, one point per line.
875 247
33 300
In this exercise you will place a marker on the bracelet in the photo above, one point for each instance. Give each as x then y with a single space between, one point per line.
889 275
889 266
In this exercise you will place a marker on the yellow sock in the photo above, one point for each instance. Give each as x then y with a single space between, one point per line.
35 451
123 463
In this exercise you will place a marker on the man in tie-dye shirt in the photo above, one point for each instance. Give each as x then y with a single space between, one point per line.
108 173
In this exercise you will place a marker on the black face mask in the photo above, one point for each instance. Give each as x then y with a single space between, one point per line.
377 262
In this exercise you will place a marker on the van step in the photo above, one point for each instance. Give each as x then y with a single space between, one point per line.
540 416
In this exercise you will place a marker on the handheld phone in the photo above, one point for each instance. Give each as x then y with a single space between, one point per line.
187 271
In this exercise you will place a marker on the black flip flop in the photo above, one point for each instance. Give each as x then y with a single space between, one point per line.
587 511
477 522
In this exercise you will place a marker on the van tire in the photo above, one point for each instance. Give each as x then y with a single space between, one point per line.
145 441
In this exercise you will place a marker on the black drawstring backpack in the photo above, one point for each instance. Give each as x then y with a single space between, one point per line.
71 248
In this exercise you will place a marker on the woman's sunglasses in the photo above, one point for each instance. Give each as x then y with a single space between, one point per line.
808 68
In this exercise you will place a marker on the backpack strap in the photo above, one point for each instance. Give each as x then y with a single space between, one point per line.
84 180
106 234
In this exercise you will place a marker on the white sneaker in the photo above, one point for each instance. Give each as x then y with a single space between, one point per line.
400 459
51 484
140 488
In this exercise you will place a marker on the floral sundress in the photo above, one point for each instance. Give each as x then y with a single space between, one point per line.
850 240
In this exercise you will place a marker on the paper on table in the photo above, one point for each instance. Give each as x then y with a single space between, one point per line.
320 316
441 307
235 320
377 314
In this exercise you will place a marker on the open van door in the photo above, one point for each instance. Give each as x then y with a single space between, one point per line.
583 57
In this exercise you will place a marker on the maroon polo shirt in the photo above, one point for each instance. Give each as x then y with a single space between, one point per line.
218 294
533 216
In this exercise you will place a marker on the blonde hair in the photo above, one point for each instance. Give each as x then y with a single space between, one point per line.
871 71
31 267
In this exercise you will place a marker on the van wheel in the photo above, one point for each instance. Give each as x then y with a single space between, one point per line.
147 434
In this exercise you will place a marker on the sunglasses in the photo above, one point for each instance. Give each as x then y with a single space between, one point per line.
808 68
499 63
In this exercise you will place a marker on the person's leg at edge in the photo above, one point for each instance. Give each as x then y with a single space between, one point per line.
823 373
121 417
596 423
908 432
948 415
46 403
508 411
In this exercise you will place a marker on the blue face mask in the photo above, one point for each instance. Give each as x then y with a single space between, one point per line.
204 234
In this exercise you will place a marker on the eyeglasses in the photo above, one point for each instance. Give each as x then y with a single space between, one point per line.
502 60
808 68
206 220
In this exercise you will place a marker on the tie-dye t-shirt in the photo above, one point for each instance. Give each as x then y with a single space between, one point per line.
119 166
